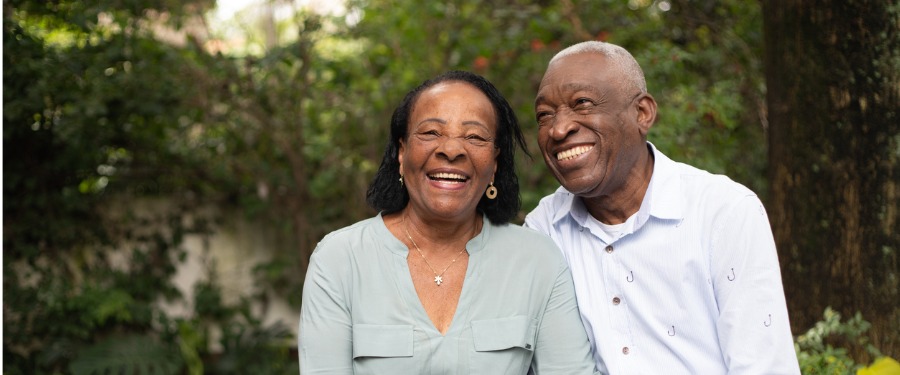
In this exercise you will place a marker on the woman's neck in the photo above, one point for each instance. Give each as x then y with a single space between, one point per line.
440 235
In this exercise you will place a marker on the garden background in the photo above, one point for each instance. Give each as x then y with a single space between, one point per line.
168 165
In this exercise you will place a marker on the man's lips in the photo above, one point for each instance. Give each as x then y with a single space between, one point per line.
573 152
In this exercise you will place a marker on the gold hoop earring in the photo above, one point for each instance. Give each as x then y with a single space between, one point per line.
491 192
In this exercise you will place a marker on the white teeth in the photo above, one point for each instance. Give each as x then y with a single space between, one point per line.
573 152
448 176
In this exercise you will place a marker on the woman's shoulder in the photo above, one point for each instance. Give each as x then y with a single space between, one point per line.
350 230
526 241
348 238
515 231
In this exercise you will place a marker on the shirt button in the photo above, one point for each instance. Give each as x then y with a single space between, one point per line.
625 350
616 300
609 249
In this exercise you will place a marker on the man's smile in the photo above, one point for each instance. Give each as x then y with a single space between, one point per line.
573 152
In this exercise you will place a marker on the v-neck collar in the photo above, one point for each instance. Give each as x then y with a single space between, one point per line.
406 288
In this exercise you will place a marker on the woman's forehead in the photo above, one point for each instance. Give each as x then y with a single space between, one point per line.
453 101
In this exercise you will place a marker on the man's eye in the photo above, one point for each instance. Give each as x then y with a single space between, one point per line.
542 117
583 102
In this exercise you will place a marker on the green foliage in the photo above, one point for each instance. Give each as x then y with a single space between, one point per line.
248 346
96 120
253 349
115 139
127 355
816 348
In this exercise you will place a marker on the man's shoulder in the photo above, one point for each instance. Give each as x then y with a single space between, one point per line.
561 198
549 208
704 182
712 192
695 181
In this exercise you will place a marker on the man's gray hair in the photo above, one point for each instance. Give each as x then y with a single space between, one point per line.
618 56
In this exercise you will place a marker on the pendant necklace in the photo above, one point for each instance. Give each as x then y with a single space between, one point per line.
438 277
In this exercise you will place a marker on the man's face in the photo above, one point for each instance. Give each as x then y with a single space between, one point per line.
590 128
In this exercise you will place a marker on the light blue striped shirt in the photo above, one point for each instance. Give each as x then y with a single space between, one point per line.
691 286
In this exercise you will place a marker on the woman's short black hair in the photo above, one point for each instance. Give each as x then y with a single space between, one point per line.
387 195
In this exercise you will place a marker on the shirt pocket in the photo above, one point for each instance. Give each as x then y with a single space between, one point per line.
503 346
382 349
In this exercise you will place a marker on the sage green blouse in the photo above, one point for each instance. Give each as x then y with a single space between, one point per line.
517 310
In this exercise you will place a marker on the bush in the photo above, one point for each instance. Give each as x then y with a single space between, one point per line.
826 348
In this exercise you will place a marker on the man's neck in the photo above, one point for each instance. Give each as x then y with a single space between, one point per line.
619 205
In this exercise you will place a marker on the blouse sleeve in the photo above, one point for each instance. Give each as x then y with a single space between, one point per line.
324 340
562 344
753 327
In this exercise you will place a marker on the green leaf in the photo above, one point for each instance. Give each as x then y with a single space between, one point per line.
127 355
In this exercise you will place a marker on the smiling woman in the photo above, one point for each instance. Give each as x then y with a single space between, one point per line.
449 159
439 281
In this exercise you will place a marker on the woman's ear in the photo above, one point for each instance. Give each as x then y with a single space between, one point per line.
646 113
400 152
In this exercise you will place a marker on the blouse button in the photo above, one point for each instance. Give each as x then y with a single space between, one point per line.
625 350
609 249
616 300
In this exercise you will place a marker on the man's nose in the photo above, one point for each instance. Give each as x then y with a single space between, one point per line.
563 125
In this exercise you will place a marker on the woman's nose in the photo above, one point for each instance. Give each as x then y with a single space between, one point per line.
451 147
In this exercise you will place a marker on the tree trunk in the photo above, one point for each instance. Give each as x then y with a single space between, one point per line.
833 80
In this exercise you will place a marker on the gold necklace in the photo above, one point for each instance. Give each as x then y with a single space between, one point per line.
438 277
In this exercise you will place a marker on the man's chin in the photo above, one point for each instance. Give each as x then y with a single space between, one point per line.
577 189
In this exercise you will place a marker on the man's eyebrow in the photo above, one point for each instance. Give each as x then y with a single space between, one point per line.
569 87
577 86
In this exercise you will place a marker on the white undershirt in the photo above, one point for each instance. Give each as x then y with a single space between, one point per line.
614 231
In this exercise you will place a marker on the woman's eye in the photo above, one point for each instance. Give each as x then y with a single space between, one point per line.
429 135
477 140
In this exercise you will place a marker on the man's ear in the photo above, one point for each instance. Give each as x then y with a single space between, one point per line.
646 113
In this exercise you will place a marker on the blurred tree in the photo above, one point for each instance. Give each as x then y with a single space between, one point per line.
833 74
98 119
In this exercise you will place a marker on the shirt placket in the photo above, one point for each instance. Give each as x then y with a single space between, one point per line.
615 299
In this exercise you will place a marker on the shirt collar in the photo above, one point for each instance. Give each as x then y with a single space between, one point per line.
663 199
665 191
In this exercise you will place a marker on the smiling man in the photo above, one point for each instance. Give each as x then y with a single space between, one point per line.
675 268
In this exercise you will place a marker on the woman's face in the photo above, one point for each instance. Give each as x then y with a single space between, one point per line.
449 158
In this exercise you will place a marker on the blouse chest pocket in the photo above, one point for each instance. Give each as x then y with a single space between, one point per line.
503 346
382 349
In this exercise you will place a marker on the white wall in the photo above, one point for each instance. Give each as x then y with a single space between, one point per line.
233 251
